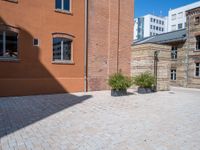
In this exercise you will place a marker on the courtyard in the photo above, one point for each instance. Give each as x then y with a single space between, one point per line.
96 121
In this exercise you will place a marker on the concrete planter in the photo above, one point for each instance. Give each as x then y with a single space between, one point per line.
145 90
118 92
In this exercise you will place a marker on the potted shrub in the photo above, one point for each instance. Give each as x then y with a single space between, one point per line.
119 84
145 82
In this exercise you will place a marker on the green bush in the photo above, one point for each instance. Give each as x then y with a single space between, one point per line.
118 81
144 80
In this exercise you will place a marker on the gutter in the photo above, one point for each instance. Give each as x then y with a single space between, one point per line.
86 48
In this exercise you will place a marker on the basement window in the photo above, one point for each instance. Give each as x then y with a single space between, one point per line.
173 74
62 50
8 44
198 43
63 5
197 70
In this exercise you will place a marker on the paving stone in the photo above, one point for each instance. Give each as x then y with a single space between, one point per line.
97 121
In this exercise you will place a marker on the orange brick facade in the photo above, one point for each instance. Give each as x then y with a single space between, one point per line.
109 40
109 45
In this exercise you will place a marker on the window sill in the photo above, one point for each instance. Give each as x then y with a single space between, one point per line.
197 77
196 50
64 12
9 60
63 62
173 59
12 1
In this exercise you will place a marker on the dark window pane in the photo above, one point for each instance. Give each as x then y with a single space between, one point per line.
1 43
57 48
58 4
67 5
11 44
67 50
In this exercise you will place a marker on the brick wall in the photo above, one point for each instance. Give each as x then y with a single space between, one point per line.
110 24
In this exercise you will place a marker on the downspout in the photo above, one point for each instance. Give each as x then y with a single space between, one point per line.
119 11
187 53
86 48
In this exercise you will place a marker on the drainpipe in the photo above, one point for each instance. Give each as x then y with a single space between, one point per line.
119 10
86 48
187 53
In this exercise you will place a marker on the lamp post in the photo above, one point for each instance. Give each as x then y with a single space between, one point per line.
156 53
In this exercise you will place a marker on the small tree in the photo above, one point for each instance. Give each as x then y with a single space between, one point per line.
118 81
144 80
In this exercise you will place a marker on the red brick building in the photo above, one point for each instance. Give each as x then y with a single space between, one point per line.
57 46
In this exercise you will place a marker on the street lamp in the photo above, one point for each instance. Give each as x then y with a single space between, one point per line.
156 53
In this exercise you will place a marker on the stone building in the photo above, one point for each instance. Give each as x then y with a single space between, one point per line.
185 51
143 60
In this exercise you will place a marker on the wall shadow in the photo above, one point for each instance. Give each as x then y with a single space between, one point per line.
28 76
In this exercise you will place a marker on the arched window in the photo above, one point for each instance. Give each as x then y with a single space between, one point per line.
8 42
62 48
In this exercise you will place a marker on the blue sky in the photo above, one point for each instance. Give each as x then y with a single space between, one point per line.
143 7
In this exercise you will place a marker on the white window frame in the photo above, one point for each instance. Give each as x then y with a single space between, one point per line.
62 7
174 53
173 75
62 50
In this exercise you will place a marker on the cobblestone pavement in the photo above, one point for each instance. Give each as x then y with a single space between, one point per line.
97 121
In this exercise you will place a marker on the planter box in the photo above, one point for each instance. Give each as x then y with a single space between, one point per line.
118 92
145 90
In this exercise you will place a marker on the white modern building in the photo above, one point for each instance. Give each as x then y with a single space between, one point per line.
177 17
149 25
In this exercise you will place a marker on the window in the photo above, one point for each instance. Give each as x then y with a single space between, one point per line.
174 52
8 44
63 5
151 19
197 70
35 42
174 17
173 27
151 34
180 26
159 21
162 22
173 74
154 20
62 49
156 28
197 20
151 26
180 15
198 43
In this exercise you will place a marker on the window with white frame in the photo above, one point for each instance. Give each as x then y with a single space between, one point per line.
173 74
174 52
197 69
8 44
64 5
198 43
62 49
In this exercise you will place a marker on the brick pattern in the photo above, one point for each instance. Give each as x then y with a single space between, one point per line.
143 60
109 40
